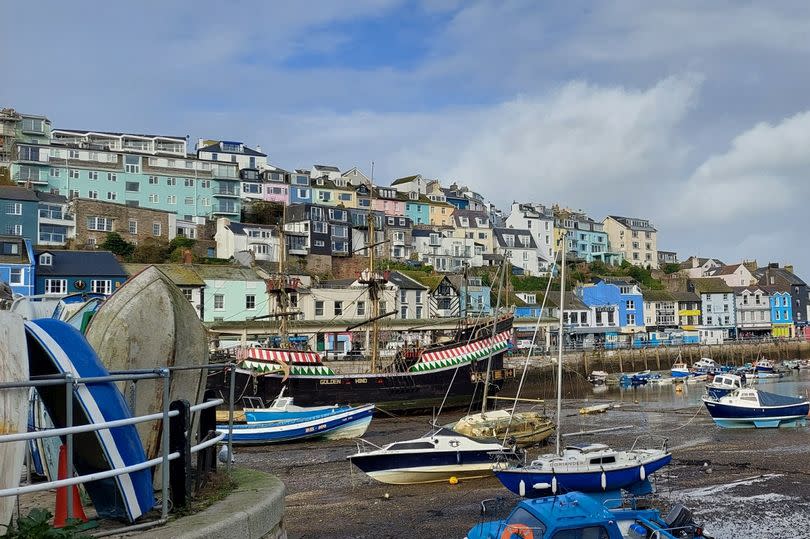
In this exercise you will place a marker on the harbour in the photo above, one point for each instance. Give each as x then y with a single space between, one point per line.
738 483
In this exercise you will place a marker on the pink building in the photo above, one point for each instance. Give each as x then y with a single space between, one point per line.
386 200
277 192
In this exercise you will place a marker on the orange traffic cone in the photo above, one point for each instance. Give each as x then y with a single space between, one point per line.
60 513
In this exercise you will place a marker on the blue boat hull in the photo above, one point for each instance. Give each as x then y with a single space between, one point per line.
55 347
737 417
259 416
679 374
290 430
576 482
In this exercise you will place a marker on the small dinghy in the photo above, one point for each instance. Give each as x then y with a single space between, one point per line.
679 370
598 377
763 365
333 424
584 468
437 456
55 348
748 408
284 408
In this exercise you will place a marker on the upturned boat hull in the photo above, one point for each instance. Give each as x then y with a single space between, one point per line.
534 484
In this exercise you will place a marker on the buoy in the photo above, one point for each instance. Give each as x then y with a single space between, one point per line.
522 488
642 473
554 484
604 481
453 480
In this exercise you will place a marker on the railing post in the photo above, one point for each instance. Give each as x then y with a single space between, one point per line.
179 442
69 440
230 416
164 466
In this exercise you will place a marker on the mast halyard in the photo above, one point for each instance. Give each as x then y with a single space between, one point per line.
560 345
492 338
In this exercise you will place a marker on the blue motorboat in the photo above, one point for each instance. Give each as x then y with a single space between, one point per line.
578 515
679 370
283 408
54 348
583 468
333 424
723 384
748 408
763 365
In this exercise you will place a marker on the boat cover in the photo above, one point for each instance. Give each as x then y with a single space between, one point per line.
772 399
465 353
283 356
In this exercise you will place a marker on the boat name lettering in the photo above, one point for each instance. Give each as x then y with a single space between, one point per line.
361 381
327 382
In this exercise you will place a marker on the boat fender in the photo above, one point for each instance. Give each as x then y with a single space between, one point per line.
522 488
642 473
554 484
603 480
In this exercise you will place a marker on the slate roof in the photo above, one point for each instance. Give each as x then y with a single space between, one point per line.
404 282
239 228
724 270
225 273
572 301
217 148
711 285
327 168
626 221
17 193
657 295
22 257
406 179
499 237
180 274
81 264
684 296
782 276
687 264
617 280
432 282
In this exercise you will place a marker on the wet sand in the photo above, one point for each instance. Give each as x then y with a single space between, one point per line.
739 483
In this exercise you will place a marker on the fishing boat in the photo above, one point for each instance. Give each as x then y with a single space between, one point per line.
584 467
598 377
57 348
437 456
763 365
747 408
334 424
13 406
679 369
577 515
722 385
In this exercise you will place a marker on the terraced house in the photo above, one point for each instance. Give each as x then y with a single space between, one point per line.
634 237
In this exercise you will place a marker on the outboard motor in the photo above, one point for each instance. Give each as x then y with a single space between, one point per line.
682 523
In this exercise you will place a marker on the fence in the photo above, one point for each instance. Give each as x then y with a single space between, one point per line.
69 430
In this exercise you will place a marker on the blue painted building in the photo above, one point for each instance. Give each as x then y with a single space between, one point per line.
624 293
476 298
18 212
417 207
17 266
300 187
67 272
781 313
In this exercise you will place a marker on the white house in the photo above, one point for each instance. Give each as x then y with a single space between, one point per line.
329 171
694 267
519 247
537 219
232 238
408 184
232 152
733 275
438 248
718 305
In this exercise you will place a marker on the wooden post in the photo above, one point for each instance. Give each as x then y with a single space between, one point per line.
585 362
657 359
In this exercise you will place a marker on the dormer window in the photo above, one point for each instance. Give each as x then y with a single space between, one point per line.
231 147
46 259
413 195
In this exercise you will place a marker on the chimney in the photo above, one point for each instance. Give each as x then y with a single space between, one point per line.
187 256
259 148
789 267
200 144
750 265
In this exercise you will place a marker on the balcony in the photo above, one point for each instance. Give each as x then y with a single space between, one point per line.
225 209
226 192
55 217
33 179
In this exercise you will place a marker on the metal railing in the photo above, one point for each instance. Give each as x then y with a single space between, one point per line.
69 430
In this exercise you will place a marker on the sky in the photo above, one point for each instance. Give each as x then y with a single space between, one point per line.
695 115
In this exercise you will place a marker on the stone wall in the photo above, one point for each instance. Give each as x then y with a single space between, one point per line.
348 268
143 220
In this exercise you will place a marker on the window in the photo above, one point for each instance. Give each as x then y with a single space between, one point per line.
630 304
418 311
418 296
320 243
631 320
171 199
205 184
112 176
361 308
188 182
55 172
591 532
93 175
92 194
303 193
16 276
56 286
189 201
219 302
320 227
73 174
33 125
777 315
156 229
45 259
205 201
101 287
318 308
187 292
153 180
101 224
132 164
522 519
73 154
111 195
13 208
403 296
403 311
171 182
250 302
338 308
154 198
133 187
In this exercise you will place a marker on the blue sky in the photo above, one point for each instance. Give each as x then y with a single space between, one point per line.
692 114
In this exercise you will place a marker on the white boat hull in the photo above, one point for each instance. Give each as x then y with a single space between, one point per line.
13 406
432 474
348 432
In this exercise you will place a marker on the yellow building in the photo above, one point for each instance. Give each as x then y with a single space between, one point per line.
333 193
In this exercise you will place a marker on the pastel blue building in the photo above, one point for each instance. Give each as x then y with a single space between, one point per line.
17 266
417 207
624 293
781 313
300 187
476 298
18 212
68 272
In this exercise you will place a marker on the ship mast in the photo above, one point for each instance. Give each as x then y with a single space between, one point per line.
560 344
492 338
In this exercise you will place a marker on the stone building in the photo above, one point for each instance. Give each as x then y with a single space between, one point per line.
95 219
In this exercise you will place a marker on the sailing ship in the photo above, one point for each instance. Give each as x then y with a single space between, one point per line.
416 380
